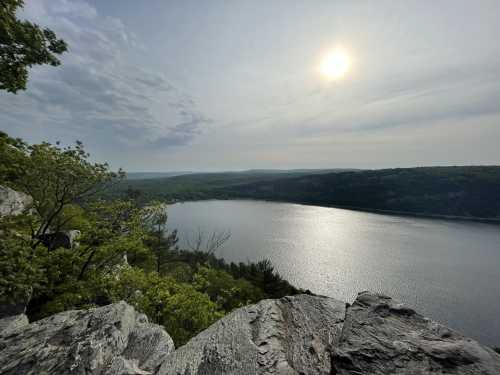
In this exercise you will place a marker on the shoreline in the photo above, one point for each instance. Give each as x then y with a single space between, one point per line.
361 209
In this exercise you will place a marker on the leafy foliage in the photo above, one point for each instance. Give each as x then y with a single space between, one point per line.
22 45
125 251
261 274
12 158
20 273
114 230
160 241
55 178
226 291
179 307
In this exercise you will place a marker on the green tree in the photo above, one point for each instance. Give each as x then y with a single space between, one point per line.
114 230
73 278
22 45
179 307
222 288
56 177
21 274
161 240
12 158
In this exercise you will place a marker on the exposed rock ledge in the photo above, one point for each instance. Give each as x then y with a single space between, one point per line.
294 335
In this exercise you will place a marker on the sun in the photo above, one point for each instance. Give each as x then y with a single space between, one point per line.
335 65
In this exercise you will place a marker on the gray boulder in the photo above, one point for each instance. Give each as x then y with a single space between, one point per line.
13 202
292 335
381 337
12 323
114 339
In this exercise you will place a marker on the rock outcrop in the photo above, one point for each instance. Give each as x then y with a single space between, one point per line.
12 323
293 335
381 336
114 339
13 202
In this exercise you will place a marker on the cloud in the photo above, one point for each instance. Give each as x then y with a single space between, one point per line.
137 89
97 87
447 91
183 132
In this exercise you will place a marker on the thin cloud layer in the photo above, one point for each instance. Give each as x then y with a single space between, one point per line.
98 88
189 85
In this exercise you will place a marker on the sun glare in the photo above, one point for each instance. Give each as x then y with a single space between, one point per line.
335 64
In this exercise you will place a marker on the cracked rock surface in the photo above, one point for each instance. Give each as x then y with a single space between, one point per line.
381 336
113 339
293 335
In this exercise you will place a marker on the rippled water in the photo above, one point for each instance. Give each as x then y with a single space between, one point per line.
449 270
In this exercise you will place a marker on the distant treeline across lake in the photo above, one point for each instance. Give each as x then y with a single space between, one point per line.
466 192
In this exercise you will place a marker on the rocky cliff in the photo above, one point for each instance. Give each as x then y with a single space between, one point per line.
293 335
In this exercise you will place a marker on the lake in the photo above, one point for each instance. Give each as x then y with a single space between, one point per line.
448 270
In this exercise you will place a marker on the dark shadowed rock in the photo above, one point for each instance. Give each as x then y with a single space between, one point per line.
8 309
66 239
114 339
381 336
292 335
12 309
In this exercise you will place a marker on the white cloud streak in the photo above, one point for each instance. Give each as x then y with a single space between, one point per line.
97 88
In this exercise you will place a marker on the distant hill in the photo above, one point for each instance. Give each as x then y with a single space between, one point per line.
148 175
469 191
192 186
300 171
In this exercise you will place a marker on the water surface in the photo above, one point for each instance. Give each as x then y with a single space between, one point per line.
449 270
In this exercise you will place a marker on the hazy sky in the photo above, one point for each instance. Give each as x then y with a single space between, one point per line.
163 85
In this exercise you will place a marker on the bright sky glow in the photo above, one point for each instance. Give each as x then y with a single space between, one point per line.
215 85
335 64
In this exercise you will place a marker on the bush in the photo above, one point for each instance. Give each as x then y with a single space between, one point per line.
179 307
18 275
223 289
261 275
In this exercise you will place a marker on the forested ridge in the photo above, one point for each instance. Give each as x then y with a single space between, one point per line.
461 191
469 191
197 186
